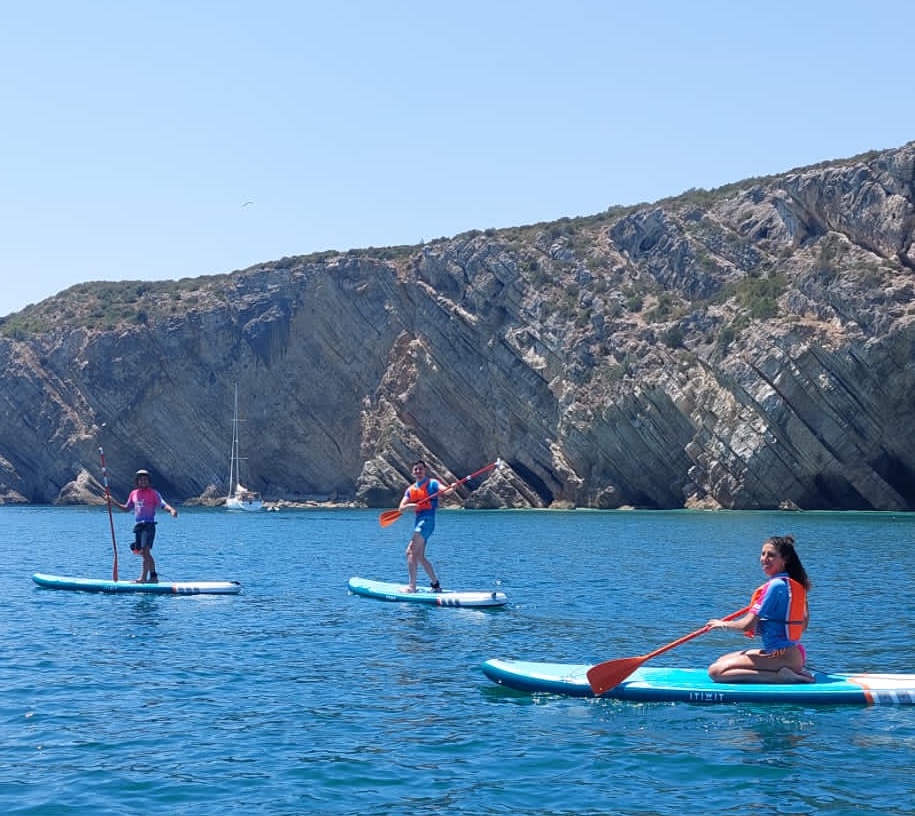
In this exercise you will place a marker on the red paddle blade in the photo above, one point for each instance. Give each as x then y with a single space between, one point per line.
609 674
388 517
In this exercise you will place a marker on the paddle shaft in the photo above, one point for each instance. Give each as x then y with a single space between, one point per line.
461 481
691 635
114 543
390 516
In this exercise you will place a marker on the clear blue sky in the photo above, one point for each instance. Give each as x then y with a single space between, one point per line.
133 133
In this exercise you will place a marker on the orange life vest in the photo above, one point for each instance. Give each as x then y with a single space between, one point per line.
797 608
419 495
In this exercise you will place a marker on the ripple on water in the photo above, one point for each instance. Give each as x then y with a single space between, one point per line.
295 697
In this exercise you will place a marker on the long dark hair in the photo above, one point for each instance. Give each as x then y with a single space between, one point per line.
793 565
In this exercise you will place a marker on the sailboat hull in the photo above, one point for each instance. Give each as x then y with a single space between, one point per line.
251 505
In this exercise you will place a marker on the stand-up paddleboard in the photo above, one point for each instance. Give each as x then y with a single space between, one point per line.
447 597
694 685
162 588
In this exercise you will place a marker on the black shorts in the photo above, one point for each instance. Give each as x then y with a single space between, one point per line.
144 534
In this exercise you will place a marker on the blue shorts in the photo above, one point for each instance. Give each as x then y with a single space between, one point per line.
425 526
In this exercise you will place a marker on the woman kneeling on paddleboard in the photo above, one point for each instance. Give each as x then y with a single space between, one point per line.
778 610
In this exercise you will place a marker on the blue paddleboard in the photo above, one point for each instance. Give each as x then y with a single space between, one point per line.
447 597
648 684
162 588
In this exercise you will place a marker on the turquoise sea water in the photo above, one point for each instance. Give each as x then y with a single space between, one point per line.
296 697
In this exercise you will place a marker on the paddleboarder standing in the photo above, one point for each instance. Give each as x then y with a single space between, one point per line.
144 500
422 496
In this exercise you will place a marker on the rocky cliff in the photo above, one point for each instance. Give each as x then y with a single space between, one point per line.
746 347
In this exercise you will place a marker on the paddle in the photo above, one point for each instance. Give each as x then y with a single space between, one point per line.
388 517
114 543
609 674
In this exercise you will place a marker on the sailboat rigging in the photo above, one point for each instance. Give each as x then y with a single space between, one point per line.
240 497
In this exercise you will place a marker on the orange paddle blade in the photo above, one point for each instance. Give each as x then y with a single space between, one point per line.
609 674
388 517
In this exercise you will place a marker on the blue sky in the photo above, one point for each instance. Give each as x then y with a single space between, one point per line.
135 134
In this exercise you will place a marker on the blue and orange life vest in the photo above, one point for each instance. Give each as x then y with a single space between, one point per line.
797 609
419 495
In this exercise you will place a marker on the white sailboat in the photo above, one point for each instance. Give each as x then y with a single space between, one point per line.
239 498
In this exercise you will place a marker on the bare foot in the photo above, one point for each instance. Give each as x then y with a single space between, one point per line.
409 589
787 675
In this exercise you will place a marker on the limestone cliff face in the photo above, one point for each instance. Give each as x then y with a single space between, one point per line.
748 347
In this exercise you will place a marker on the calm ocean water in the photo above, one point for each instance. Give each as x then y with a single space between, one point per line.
296 697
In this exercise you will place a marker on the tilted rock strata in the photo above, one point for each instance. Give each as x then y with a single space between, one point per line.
749 347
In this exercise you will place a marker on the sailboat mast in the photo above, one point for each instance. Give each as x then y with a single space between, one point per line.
233 456
239 497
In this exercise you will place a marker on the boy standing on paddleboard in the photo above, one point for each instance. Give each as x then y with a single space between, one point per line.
144 501
422 496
